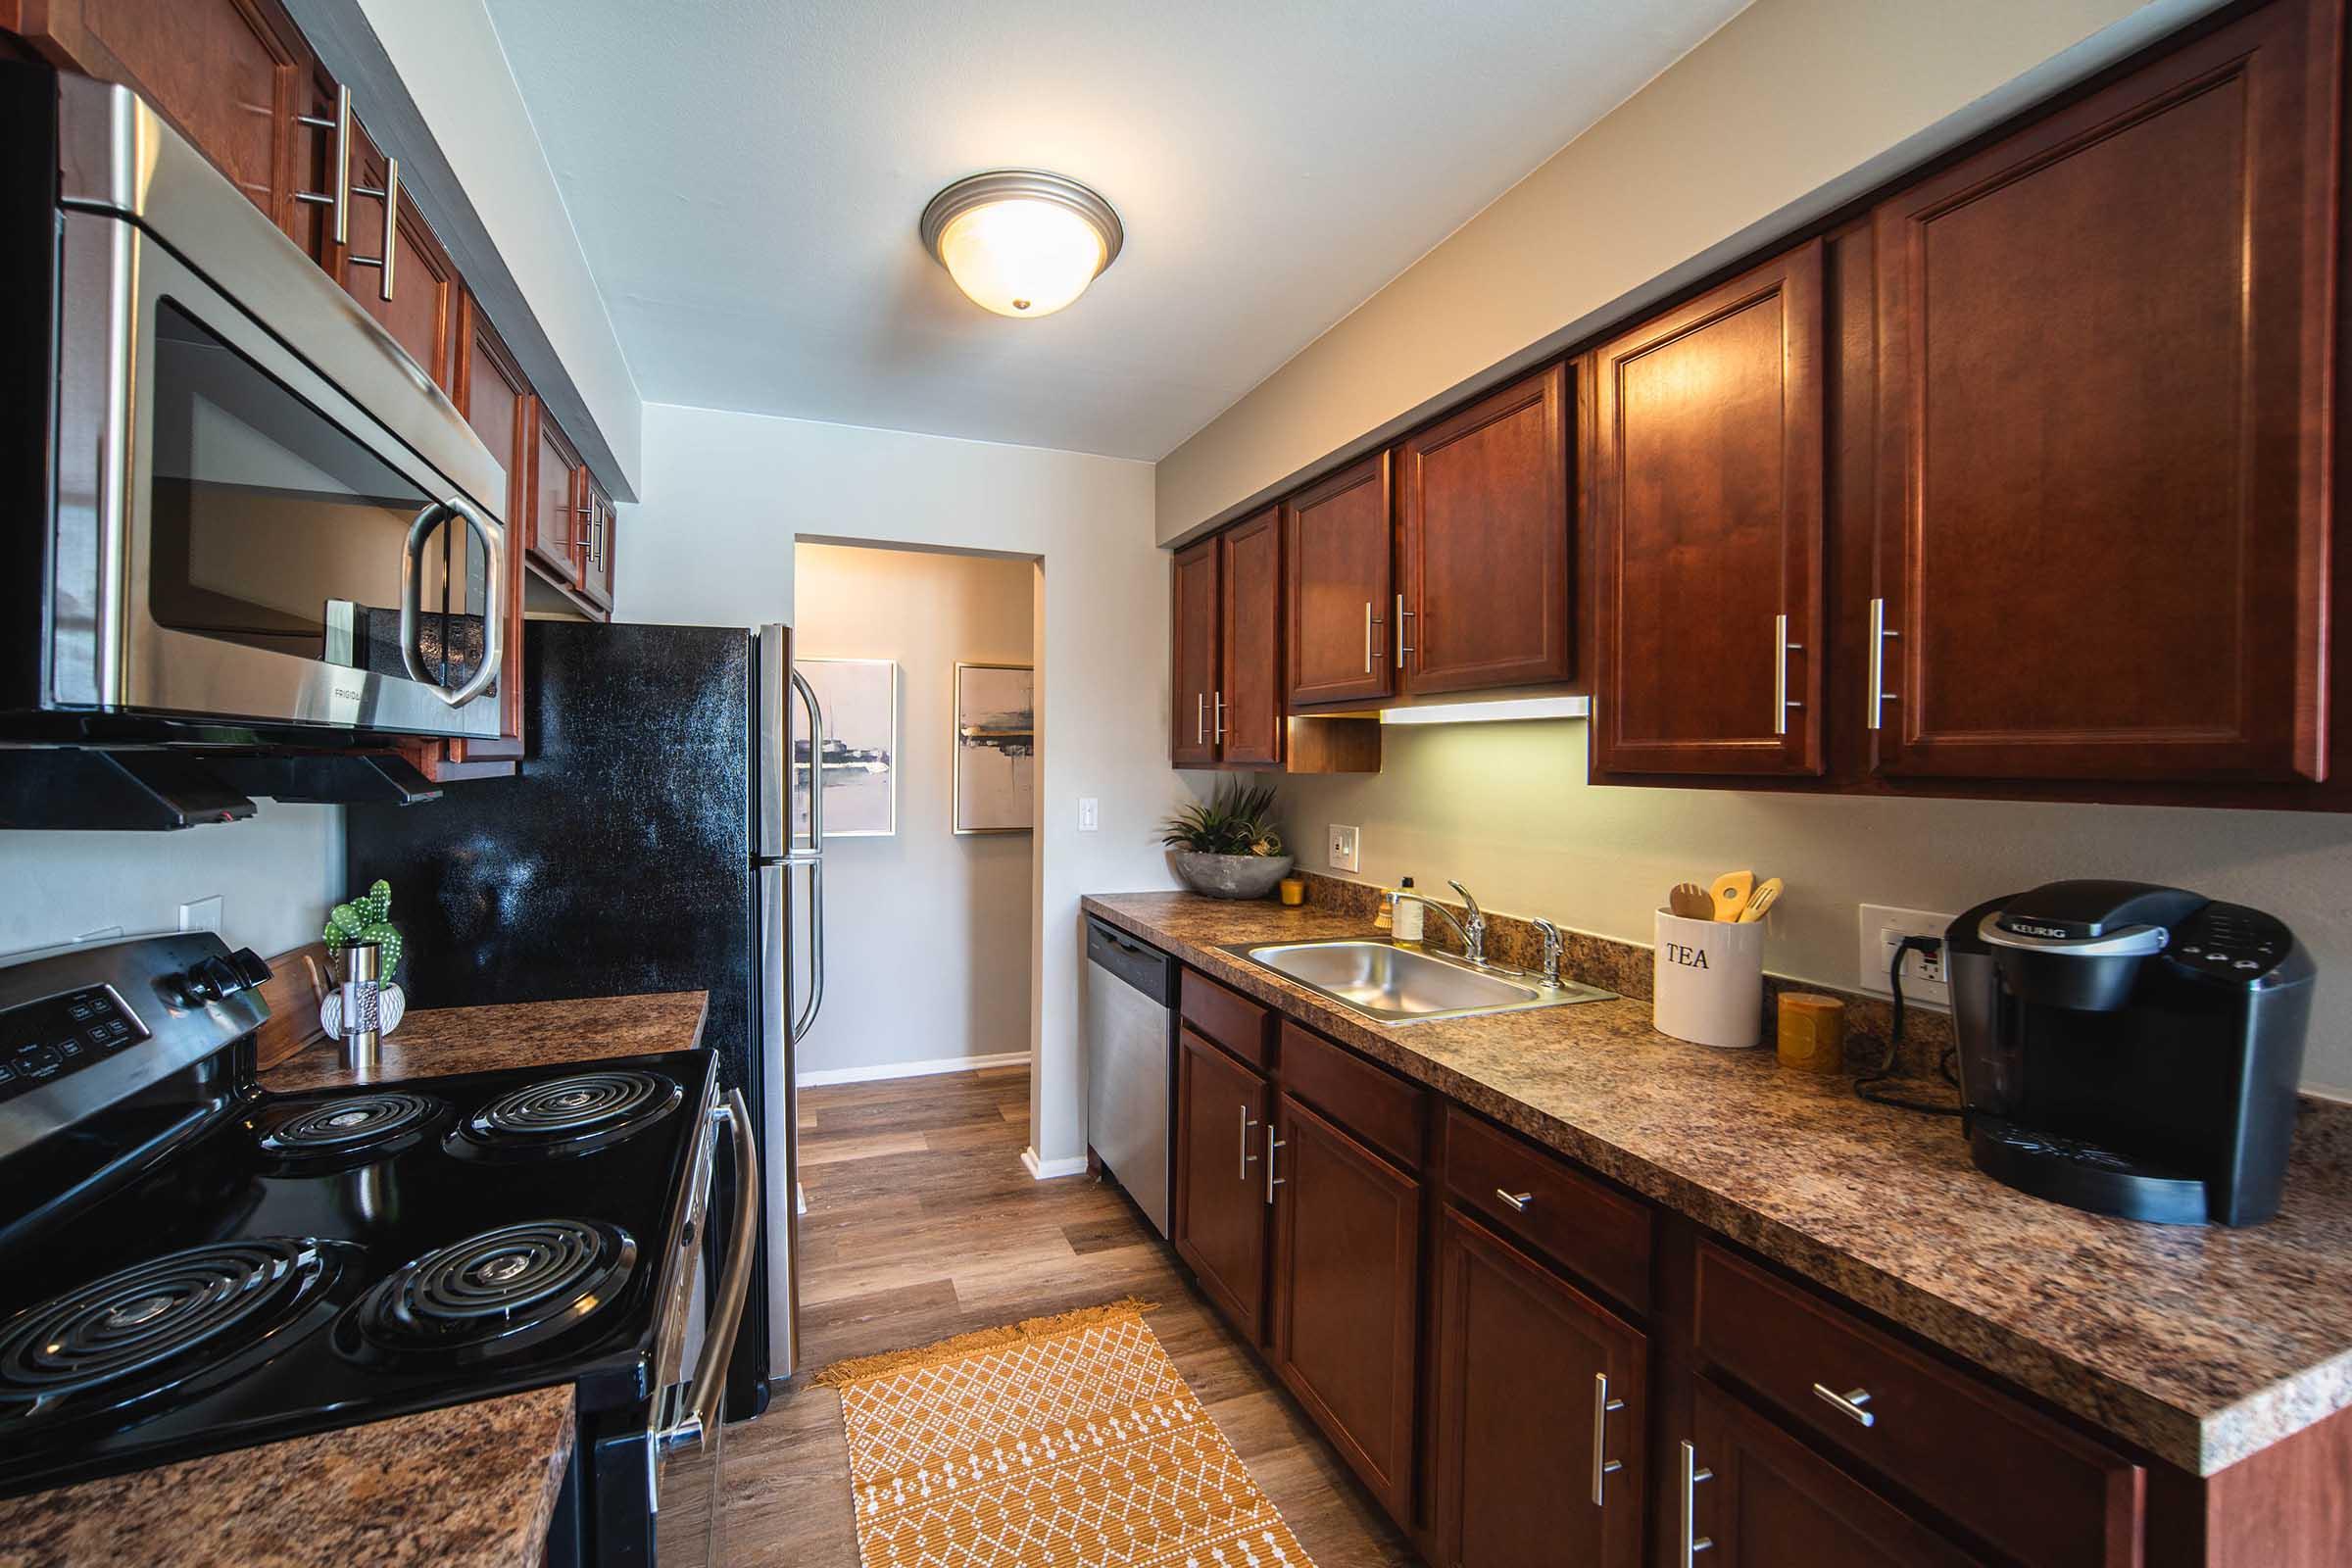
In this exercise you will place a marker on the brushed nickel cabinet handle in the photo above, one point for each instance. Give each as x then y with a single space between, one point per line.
1367 636
1879 695
337 201
1220 720
1199 718
1782 648
1403 650
1272 1143
1602 1468
390 254
1692 1474
1520 1202
1850 1403
1241 1171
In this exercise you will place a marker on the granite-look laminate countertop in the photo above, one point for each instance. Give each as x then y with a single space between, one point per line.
472 1486
434 1042
2201 1344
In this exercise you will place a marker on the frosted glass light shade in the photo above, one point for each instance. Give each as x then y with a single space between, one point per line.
1022 242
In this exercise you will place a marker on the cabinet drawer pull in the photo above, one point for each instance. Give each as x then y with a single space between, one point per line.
1520 1202
1848 1403
1879 695
1781 700
1692 1474
1241 1171
1272 1181
1602 1468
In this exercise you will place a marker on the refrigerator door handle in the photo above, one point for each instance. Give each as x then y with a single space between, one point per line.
815 858
775 739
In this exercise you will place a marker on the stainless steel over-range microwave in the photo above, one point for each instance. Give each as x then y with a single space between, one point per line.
234 504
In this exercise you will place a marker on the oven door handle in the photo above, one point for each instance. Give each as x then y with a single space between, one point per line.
702 1415
494 598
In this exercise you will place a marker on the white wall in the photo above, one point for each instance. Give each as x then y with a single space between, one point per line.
276 876
961 989
1505 808
450 58
712 543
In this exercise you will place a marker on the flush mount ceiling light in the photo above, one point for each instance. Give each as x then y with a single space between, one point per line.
1020 241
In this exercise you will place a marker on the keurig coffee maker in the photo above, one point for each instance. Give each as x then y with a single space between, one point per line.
2131 1050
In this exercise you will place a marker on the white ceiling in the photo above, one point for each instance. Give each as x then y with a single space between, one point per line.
745 175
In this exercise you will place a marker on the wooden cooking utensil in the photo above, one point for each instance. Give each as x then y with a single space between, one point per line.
1691 900
1760 902
1731 891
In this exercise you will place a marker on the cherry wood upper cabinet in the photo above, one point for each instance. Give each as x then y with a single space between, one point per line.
2104 410
1336 538
1707 531
1248 699
392 251
1196 620
1219 1221
1347 1291
497 403
1541 1417
1482 530
232 75
550 537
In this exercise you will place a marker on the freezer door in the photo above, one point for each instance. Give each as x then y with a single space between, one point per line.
780 1115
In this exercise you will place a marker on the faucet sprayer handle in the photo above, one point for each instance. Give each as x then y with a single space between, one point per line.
1554 945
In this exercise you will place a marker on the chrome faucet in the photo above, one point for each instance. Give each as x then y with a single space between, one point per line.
1471 932
1554 945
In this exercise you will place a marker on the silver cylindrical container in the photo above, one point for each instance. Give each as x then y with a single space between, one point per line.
362 992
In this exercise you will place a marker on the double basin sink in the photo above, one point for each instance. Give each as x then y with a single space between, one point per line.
1393 985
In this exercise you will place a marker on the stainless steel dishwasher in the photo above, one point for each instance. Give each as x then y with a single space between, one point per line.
1130 1059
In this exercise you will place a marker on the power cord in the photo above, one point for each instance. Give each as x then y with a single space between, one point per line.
1865 1085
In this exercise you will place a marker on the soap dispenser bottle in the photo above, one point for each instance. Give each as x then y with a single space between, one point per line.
1407 922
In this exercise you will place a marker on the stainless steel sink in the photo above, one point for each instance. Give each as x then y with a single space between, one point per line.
1392 984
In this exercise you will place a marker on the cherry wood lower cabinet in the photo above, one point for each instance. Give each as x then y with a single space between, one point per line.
1346 1295
1221 1212
1543 1414
1752 1495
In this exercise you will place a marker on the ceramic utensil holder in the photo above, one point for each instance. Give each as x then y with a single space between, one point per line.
1709 981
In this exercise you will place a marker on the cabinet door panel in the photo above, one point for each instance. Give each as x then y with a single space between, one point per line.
1220 1220
1526 1367
1336 541
1252 635
2102 408
551 535
1773 1501
1708 459
1348 1296
421 314
1482 544
1191 737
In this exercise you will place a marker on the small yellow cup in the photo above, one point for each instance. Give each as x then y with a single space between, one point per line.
1292 890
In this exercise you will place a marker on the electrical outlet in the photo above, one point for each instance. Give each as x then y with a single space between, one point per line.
1343 856
1924 976
1090 814
201 914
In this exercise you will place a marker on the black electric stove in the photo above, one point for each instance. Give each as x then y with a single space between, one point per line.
189 1264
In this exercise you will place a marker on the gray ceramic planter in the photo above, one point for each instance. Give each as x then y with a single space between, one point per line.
1230 876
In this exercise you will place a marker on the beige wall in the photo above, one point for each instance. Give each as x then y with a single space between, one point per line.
925 610
1504 808
726 496
1790 109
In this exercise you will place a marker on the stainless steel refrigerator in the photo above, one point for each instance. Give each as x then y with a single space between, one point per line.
645 844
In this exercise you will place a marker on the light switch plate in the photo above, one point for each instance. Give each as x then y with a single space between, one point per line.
1924 976
1343 856
1090 814
201 914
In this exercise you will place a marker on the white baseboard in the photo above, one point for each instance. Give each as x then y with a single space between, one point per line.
1046 1170
907 1069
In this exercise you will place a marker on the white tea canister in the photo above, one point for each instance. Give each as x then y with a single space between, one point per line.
1708 981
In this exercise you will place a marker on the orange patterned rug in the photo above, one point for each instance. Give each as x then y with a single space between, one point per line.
1068 1441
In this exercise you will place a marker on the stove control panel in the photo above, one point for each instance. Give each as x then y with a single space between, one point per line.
48 1039
84 1028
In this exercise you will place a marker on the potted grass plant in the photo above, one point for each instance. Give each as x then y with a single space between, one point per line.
1227 846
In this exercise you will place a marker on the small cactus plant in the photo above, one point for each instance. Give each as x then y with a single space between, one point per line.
366 918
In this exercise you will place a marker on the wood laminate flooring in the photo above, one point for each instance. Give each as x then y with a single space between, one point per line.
922 1223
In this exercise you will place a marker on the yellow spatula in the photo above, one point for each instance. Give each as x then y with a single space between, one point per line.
1729 892
1760 902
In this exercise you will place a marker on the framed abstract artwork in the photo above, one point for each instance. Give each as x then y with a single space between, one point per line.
996 749
860 702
